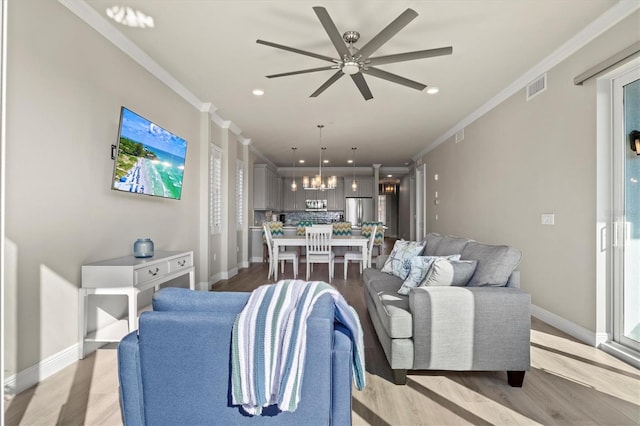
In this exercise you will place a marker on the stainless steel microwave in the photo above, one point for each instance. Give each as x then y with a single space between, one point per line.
316 206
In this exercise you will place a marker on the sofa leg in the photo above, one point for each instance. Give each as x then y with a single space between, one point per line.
515 378
400 377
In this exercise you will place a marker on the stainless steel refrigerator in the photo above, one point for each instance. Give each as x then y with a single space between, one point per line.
358 210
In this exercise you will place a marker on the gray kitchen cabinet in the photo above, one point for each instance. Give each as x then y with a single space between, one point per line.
267 188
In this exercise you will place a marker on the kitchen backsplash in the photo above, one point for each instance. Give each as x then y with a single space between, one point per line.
292 218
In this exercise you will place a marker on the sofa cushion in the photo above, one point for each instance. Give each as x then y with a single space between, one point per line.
420 267
446 272
450 245
430 243
495 263
391 308
399 261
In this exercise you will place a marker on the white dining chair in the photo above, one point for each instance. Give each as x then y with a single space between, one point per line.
318 244
283 255
356 256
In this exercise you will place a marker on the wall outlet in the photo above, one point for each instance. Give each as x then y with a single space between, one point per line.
548 219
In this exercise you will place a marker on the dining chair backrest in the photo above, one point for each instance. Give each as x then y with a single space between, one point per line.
341 229
375 228
266 232
371 244
276 228
318 239
301 226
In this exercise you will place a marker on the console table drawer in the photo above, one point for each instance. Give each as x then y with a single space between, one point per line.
151 272
180 263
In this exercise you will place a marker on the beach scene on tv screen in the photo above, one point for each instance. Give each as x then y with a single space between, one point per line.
150 159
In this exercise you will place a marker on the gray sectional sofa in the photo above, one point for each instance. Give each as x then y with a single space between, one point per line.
483 325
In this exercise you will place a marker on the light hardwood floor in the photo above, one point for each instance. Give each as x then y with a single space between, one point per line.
569 383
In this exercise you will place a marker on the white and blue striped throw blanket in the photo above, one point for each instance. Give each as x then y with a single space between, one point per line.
269 343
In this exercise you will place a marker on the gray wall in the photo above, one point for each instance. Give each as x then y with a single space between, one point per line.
66 84
523 159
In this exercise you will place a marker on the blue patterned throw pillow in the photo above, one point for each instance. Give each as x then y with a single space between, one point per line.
399 261
420 267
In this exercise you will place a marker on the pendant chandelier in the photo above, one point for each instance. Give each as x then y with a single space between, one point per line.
317 182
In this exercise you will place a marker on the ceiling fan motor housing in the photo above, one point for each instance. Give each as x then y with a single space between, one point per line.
351 37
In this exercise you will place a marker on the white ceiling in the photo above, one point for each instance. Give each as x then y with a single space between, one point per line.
209 46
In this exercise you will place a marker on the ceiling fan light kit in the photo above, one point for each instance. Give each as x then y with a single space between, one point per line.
356 62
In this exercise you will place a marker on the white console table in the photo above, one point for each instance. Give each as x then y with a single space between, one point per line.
127 276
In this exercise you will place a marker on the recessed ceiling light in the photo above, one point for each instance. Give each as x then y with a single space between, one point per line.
389 175
349 161
301 161
325 161
258 92
432 90
129 17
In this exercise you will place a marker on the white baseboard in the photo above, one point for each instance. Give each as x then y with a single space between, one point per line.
45 368
587 336
225 275
230 273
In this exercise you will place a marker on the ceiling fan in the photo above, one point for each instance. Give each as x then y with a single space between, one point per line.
356 62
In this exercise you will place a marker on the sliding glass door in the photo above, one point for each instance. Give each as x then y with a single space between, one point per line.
626 232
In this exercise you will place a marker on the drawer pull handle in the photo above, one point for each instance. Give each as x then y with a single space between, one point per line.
154 273
182 262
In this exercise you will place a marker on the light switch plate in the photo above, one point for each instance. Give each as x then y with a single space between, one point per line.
548 219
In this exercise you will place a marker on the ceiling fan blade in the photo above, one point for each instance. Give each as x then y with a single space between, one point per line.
359 80
393 78
284 74
294 50
327 83
389 31
410 56
332 31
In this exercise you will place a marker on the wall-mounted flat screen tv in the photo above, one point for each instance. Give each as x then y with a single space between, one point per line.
150 160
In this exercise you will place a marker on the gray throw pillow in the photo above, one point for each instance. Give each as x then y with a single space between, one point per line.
445 272
450 245
495 263
430 243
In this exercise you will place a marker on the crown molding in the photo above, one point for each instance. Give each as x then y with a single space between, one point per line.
108 31
611 17
105 28
261 155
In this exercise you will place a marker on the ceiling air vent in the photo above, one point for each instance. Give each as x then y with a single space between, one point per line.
537 86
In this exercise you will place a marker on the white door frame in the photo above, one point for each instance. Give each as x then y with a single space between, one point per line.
620 229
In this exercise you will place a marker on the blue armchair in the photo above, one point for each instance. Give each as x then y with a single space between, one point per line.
175 369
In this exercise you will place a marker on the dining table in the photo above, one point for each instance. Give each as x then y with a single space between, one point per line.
336 241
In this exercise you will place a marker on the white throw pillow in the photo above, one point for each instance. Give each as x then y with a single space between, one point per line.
399 261
420 266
